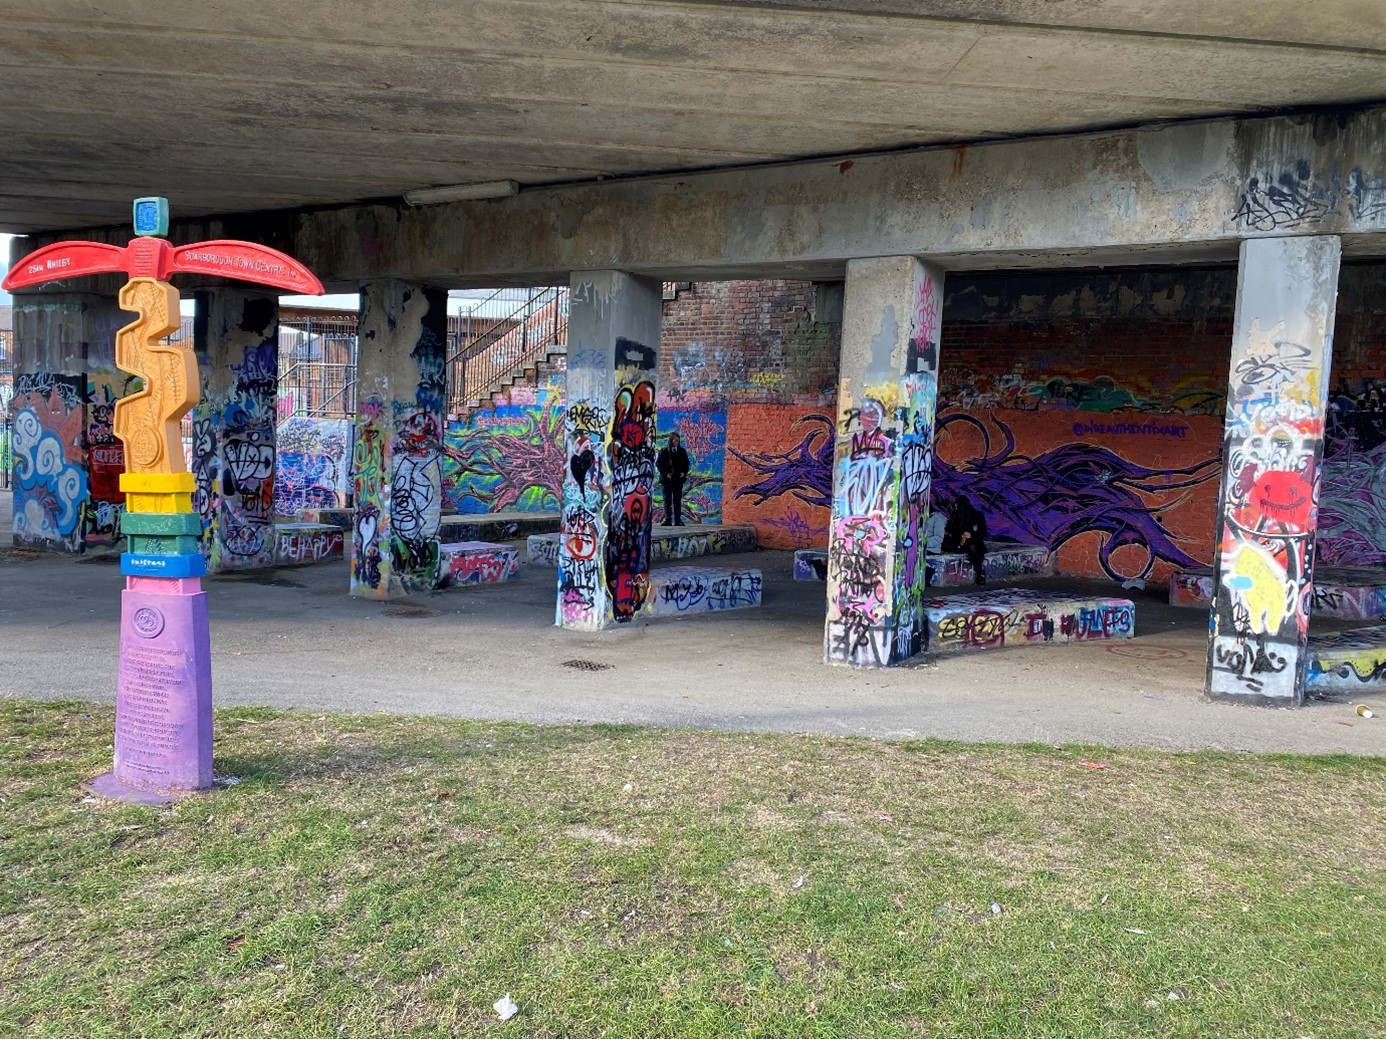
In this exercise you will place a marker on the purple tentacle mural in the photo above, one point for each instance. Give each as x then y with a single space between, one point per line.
1047 498
1069 490
804 471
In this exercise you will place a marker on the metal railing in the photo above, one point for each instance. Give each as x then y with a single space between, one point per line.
486 355
317 366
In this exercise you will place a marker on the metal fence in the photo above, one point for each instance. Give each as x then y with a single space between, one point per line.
317 366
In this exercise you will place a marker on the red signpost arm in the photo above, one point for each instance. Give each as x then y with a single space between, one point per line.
65 260
245 261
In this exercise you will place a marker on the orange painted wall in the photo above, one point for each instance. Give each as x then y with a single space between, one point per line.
795 441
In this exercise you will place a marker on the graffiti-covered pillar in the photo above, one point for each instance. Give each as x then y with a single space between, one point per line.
884 456
609 427
67 462
1277 396
397 460
236 336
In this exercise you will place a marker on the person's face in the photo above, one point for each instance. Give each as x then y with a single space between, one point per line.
674 440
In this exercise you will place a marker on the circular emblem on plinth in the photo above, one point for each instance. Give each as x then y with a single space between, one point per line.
147 622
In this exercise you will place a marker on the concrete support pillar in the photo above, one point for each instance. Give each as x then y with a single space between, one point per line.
613 361
67 461
883 462
1272 448
236 336
397 461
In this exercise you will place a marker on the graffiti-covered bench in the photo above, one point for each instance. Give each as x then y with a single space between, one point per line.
1343 592
810 564
1023 617
1003 562
666 543
296 544
1348 661
477 562
496 526
678 591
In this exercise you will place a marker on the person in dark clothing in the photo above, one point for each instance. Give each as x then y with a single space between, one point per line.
967 533
673 471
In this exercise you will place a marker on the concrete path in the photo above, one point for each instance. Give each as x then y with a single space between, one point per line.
292 638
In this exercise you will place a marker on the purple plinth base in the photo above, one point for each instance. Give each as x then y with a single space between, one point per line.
163 737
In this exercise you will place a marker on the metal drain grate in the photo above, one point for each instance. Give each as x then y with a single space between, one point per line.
586 665
410 612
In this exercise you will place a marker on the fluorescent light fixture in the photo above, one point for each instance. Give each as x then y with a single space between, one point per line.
461 192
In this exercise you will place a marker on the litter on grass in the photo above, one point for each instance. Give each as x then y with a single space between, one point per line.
505 1007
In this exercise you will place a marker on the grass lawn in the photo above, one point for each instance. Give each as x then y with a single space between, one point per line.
396 876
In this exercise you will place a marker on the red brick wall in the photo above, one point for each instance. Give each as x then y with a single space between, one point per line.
1359 333
747 340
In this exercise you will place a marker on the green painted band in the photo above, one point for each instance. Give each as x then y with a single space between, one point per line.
163 544
164 523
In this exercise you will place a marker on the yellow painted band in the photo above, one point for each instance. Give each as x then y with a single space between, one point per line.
159 503
158 483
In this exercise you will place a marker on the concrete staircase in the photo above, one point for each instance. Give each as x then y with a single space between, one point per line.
534 342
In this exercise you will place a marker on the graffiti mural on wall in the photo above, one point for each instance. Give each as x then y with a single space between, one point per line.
631 473
1352 509
49 477
416 460
863 527
1024 389
703 432
784 483
105 459
1298 196
1273 449
1141 507
506 457
1104 511
314 464
372 492
860 549
244 495
918 400
586 426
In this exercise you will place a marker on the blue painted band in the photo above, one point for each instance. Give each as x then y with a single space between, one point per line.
143 564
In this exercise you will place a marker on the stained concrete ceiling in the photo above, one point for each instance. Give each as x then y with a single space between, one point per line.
227 106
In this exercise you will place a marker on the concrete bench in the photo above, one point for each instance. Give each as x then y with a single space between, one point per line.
1023 617
477 562
677 591
1343 592
496 526
810 564
332 517
1003 562
1348 661
297 544
666 543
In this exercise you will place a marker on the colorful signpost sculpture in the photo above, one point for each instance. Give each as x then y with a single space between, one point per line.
163 732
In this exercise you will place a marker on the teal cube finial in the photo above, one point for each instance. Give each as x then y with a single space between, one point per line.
151 217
